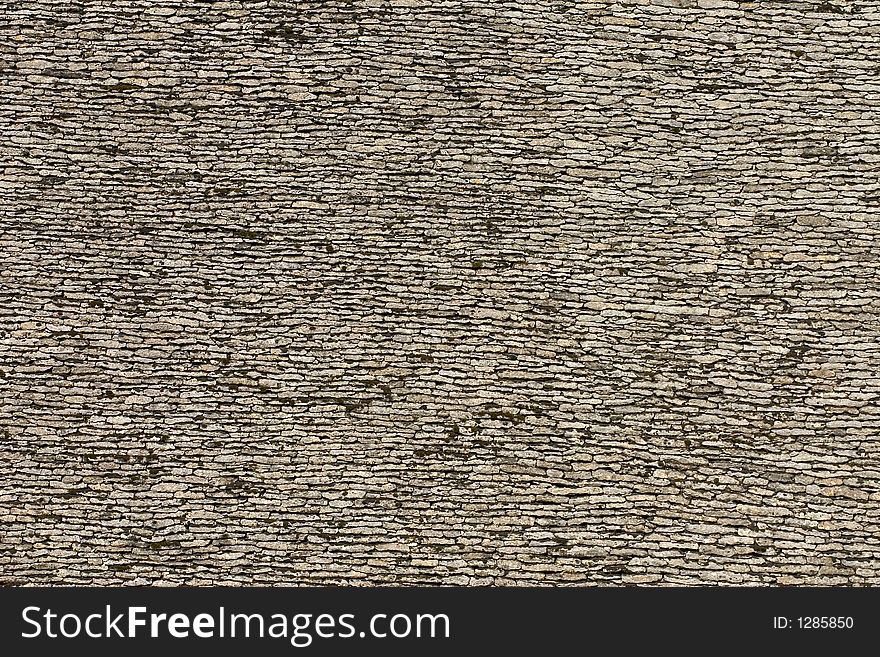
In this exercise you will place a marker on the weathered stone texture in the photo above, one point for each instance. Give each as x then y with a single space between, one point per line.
408 291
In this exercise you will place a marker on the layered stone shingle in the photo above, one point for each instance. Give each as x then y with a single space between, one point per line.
373 292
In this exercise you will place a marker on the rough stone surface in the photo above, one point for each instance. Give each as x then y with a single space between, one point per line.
416 291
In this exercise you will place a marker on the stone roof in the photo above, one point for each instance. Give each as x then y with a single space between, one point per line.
429 292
